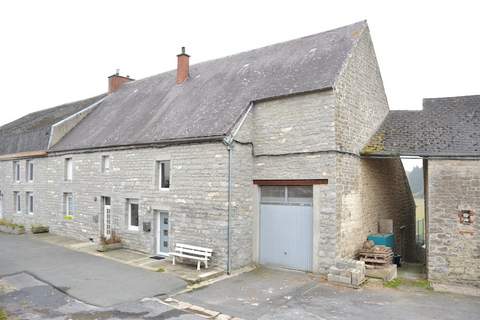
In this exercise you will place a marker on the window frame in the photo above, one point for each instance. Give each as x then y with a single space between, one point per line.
68 204
30 171
105 160
68 173
159 174
16 171
30 209
17 199
131 227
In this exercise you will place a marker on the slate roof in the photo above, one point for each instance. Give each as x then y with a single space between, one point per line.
32 132
208 104
445 127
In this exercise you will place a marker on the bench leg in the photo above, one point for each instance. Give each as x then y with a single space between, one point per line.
206 264
173 261
198 265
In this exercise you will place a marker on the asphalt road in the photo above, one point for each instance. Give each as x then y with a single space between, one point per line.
91 279
273 294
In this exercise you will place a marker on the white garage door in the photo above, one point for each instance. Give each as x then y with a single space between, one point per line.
286 227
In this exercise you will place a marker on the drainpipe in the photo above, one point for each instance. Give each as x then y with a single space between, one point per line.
228 141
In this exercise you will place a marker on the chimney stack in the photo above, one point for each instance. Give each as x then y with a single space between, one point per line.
182 66
116 80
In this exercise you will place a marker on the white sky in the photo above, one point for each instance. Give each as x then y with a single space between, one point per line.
52 52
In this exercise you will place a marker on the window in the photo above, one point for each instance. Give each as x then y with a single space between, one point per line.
105 164
297 195
68 169
29 196
68 204
29 172
133 215
17 202
16 171
162 174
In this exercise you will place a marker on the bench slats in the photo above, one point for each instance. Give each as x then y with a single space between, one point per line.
188 256
195 252
181 245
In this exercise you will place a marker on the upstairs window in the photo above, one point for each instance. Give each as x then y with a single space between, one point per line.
16 171
162 173
29 196
29 173
17 202
68 169
68 204
133 222
105 164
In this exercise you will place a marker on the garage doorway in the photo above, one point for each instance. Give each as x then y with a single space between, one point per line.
286 232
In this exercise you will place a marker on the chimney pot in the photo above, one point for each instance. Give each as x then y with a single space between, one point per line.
115 81
183 66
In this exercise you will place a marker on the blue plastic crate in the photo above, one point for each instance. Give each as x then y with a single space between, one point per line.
385 239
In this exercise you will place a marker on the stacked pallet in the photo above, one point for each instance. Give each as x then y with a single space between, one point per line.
376 257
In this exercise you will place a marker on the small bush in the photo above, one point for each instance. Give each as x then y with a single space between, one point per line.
114 238
395 283
3 314
38 228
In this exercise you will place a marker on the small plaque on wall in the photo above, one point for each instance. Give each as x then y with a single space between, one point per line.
466 217
147 226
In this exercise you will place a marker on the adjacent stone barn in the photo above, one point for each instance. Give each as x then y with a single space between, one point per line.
255 155
446 135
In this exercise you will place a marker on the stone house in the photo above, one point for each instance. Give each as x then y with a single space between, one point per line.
255 155
446 135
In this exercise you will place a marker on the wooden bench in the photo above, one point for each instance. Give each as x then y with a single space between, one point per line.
192 252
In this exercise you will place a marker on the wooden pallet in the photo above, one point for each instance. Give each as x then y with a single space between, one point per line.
377 257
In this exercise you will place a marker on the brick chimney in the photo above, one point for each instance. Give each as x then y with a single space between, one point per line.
182 66
116 80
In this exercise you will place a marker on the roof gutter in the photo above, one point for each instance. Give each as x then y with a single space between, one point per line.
23 155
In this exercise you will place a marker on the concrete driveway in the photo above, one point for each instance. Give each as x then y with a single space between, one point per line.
273 294
88 278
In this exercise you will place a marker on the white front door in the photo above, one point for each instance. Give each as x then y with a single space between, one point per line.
162 247
107 217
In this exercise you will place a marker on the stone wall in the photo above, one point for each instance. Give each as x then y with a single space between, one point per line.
361 102
196 200
293 138
367 190
453 247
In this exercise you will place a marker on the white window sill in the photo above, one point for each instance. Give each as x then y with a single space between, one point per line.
133 229
164 189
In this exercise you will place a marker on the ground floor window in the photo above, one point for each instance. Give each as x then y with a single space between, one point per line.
68 204
17 202
133 220
29 196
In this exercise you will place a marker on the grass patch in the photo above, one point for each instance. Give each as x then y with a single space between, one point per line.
3 314
395 283
160 270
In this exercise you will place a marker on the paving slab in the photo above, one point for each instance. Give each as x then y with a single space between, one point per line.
86 277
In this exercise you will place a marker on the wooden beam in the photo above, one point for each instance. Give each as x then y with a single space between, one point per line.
22 155
293 182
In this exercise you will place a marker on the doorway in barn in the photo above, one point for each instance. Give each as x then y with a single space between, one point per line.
414 170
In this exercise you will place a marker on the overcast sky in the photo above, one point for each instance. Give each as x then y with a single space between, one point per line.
52 52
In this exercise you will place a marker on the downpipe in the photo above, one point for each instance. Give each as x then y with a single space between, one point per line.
228 141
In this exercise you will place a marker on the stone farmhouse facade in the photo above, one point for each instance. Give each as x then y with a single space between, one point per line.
259 156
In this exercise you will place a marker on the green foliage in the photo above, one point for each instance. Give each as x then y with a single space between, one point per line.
395 283
3 314
160 270
68 218
11 225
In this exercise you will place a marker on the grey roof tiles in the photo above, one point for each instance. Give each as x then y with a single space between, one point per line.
156 109
445 127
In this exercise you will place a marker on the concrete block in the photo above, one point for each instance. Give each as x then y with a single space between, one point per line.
339 279
386 274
